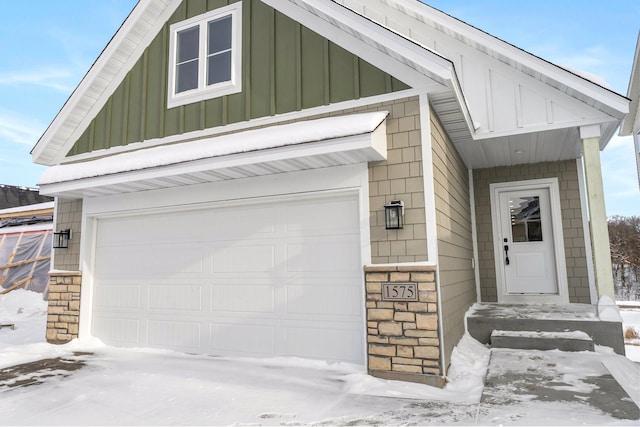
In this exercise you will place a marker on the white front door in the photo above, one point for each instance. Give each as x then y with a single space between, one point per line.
527 245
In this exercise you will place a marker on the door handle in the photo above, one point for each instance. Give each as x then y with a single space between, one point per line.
506 254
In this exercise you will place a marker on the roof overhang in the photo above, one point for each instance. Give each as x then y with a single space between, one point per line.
631 123
395 54
562 79
102 79
304 145
406 60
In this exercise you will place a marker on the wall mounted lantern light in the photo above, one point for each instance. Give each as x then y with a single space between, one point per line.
61 239
394 215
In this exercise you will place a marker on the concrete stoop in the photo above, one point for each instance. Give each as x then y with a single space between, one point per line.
572 327
539 340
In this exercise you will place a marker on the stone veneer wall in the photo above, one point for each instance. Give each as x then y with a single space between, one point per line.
402 337
64 306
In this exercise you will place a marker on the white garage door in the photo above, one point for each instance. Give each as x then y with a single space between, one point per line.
277 278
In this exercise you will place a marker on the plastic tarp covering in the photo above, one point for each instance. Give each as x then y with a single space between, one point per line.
25 260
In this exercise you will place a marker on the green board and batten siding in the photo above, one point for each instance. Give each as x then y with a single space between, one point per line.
286 67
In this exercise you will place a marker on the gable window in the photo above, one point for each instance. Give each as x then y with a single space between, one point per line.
205 56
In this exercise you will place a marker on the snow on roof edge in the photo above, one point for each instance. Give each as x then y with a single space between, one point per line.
251 140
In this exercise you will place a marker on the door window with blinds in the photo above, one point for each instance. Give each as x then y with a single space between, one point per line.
205 56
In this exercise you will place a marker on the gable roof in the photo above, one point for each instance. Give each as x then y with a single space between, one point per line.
393 35
104 76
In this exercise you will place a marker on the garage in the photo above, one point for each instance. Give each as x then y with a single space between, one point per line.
260 277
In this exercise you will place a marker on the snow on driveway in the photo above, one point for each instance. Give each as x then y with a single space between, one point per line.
94 384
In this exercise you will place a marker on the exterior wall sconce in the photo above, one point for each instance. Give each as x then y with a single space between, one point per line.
394 215
61 239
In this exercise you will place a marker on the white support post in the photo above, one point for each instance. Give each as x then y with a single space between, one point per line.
590 136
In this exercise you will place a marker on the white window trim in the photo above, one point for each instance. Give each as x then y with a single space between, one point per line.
203 91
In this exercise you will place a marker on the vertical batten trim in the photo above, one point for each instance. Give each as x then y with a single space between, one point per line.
356 77
125 108
246 60
474 236
143 107
272 65
326 80
549 108
489 101
164 78
298 60
518 100
430 212
593 294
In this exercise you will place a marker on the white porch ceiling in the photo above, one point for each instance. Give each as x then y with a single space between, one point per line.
535 147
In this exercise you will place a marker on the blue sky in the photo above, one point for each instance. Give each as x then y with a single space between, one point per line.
46 47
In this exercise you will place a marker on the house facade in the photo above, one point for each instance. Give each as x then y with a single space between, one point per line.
225 168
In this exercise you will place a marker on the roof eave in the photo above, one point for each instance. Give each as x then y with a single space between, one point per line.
404 59
605 99
632 123
104 76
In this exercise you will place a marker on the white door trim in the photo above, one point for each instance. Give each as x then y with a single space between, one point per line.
551 184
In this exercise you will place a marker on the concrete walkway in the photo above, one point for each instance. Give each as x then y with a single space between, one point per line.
581 378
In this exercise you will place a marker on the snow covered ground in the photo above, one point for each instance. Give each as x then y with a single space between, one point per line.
631 327
102 385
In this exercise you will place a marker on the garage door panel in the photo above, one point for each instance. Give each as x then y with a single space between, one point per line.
320 255
174 334
150 259
117 330
244 259
233 338
175 297
243 298
127 296
254 221
324 301
325 340
325 216
176 226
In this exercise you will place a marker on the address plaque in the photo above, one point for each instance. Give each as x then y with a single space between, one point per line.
399 292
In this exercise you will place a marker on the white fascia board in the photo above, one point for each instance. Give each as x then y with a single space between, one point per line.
104 76
363 133
363 143
502 49
547 127
243 143
632 122
406 60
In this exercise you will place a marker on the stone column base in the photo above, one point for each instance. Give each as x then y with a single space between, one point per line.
403 336
64 306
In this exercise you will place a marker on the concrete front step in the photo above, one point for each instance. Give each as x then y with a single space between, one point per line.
541 340
483 318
